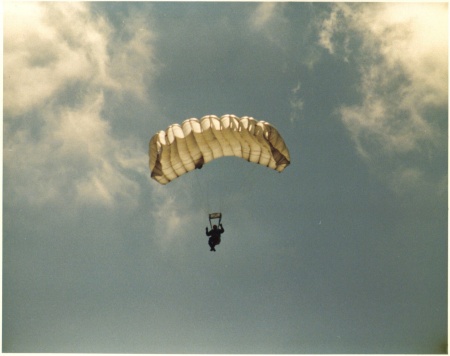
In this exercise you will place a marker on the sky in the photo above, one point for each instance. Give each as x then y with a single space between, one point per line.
345 251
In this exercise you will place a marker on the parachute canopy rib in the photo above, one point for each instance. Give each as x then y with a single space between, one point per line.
182 148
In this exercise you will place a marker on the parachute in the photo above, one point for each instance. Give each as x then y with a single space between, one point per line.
182 148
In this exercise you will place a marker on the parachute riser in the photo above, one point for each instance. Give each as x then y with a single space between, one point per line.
214 216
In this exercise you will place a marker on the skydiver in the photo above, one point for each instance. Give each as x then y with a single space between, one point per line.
215 236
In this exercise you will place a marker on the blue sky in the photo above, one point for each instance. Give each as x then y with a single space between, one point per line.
343 252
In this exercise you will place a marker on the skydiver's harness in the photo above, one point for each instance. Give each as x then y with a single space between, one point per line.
215 238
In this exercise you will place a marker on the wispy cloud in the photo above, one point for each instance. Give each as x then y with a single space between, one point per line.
404 74
334 24
268 18
59 59
172 213
328 28
296 103
263 14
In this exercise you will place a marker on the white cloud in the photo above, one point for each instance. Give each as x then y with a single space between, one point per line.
296 104
172 213
48 46
74 159
268 18
264 13
131 61
329 27
403 64
413 37
59 59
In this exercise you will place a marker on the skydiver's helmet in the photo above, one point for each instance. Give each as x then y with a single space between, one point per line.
214 227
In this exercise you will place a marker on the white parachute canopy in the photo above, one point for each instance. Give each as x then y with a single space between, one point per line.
182 148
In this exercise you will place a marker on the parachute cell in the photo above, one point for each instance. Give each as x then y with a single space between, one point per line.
182 148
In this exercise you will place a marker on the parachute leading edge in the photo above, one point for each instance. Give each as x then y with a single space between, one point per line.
182 148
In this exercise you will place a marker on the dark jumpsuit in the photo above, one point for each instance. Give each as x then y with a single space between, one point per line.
215 236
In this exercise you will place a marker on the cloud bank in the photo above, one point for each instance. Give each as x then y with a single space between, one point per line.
59 62
404 75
